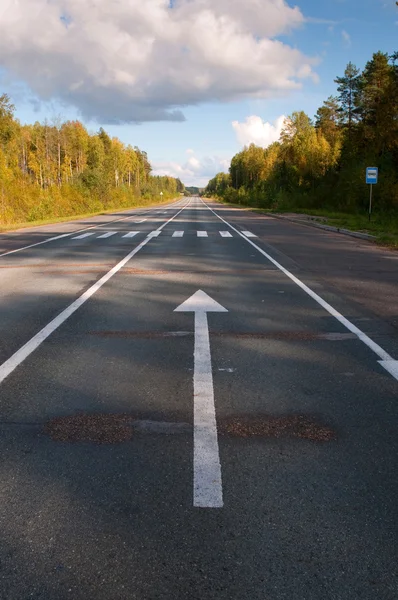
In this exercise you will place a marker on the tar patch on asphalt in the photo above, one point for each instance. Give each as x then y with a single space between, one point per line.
98 428
116 428
108 428
268 426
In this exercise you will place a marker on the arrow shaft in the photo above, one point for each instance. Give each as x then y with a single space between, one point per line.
207 467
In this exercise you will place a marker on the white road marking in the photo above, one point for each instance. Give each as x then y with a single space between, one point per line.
20 355
202 233
63 235
391 366
154 233
131 234
106 235
386 361
52 239
225 234
207 486
178 234
248 234
140 221
83 235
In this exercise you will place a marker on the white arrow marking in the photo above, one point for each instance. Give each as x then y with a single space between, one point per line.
207 484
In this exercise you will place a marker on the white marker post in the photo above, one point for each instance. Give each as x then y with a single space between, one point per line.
207 485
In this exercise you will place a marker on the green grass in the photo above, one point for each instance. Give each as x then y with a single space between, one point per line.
27 224
383 227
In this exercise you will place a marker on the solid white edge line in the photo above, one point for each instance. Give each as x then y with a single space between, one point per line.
391 366
63 235
381 353
20 355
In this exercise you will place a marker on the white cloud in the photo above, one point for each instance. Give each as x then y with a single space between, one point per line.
256 131
195 171
346 38
135 60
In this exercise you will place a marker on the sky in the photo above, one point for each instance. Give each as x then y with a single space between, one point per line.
188 81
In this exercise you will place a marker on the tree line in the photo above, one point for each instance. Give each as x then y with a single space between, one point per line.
50 170
321 162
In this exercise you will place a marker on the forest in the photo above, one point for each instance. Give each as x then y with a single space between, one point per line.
320 163
59 169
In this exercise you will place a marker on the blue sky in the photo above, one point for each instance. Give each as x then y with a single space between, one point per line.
331 34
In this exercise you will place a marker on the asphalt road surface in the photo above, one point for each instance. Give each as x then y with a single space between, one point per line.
243 446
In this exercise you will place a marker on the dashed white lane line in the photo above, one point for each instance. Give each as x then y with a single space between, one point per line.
131 234
178 234
225 234
385 361
16 359
248 234
154 233
107 235
140 221
83 235
202 233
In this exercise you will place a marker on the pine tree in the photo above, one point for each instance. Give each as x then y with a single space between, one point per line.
379 103
327 120
349 89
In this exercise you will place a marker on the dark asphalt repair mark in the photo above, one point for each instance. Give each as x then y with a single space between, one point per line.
141 334
88 268
107 428
116 428
270 335
55 268
98 428
268 426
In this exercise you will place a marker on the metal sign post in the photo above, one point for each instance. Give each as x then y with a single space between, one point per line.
372 174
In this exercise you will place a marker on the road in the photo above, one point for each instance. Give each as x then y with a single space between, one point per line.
197 402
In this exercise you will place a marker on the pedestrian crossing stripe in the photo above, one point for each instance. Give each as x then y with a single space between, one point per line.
176 234
107 235
83 235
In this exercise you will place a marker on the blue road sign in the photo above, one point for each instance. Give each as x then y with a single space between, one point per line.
372 174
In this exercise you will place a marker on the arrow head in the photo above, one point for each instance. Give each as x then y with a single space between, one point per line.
200 302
